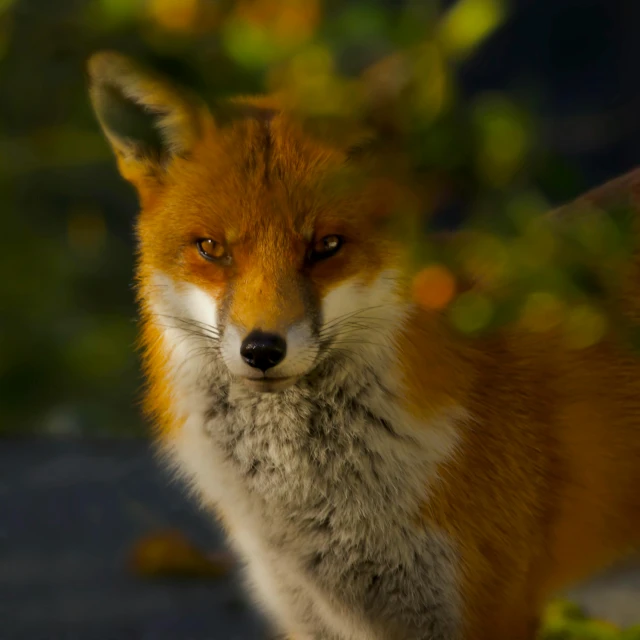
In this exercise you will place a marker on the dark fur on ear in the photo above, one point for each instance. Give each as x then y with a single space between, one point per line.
145 118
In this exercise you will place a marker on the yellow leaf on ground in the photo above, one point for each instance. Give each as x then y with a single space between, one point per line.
171 554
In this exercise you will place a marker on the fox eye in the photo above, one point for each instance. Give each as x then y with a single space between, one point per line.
325 248
211 250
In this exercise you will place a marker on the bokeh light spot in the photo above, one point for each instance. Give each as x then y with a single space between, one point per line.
173 15
469 22
5 5
434 287
487 259
584 327
433 82
542 311
116 12
503 139
471 312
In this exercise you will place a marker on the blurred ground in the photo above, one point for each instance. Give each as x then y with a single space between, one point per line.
70 513
73 509
614 596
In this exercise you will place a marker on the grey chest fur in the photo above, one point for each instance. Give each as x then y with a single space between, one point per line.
333 487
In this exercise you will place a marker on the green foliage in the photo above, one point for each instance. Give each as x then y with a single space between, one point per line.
566 621
67 360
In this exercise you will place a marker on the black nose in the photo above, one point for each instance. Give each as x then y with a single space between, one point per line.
263 350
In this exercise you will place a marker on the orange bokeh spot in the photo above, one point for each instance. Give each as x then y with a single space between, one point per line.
434 287
174 15
287 19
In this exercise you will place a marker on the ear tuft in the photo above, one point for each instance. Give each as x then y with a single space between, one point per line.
144 117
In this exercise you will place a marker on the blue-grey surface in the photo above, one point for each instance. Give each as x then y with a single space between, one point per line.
69 514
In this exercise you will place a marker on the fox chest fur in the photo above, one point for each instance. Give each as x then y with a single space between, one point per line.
321 487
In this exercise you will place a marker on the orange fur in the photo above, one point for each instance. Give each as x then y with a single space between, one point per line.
543 489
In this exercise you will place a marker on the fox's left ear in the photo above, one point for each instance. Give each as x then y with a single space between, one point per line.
148 121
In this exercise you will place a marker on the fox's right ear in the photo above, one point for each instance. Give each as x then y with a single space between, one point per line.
147 121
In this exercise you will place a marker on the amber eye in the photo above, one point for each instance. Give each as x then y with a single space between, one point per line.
325 248
211 250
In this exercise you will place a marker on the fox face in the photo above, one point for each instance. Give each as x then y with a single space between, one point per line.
261 248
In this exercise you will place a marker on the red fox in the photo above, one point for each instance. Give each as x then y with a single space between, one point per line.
382 476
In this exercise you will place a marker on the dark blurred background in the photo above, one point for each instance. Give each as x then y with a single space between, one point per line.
67 358
562 75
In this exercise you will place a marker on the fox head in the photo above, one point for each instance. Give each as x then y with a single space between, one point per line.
264 250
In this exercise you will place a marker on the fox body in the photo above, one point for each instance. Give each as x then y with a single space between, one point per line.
382 477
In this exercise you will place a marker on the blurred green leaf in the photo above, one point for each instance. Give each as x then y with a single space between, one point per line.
67 361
